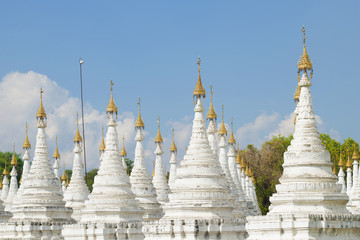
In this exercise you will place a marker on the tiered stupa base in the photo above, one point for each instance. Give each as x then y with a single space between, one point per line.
103 231
303 226
202 229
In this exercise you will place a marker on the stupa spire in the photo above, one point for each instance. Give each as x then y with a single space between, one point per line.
123 154
159 178
111 107
222 130
56 159
173 161
232 138
212 128
199 90
41 114
26 144
139 122
102 144
141 183
77 192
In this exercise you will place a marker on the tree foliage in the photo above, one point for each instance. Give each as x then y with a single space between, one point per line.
6 157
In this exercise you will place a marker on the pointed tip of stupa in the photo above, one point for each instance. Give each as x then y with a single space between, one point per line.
173 147
41 114
199 90
211 114
111 107
123 151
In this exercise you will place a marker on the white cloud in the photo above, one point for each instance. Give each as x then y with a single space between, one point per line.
285 127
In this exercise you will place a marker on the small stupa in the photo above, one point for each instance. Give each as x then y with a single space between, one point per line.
173 161
112 208
159 178
77 192
56 160
212 128
123 155
13 183
141 183
5 184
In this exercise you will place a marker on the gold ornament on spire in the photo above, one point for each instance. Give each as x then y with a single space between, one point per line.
56 152
77 137
242 163
102 145
158 138
111 107
26 144
222 130
238 157
231 138
41 111
334 169
5 172
211 113
355 155
139 122
123 151
199 90
341 162
349 163
14 161
304 63
173 147
64 176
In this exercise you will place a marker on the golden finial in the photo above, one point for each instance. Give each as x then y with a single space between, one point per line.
158 138
231 138
1 185
26 144
341 162
139 122
304 63
77 137
111 107
348 163
211 113
247 170
199 90
355 155
102 145
41 111
123 151
334 169
173 147
238 158
5 172
56 152
64 177
14 161
222 130
242 163
153 173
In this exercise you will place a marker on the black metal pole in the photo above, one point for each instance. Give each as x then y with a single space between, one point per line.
82 118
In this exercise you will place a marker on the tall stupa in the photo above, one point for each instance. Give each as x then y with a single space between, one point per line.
112 209
198 206
309 203
41 211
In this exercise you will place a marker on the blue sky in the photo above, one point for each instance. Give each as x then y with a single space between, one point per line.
249 51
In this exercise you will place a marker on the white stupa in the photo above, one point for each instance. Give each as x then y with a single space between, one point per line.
141 183
159 178
111 209
77 192
41 210
355 197
341 175
13 183
308 203
26 167
198 206
5 185
102 146
173 162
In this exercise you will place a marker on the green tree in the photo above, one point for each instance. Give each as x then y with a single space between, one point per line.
90 178
130 165
68 173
